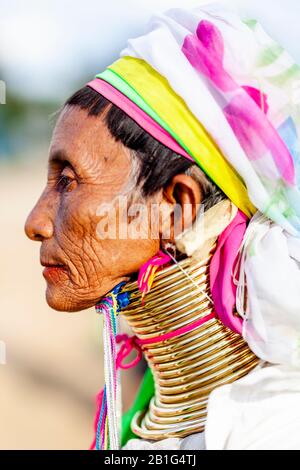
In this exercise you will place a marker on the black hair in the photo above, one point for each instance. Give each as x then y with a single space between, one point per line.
157 163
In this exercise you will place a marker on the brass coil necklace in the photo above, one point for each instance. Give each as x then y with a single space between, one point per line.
188 367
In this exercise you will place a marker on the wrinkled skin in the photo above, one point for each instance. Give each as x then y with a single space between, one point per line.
87 167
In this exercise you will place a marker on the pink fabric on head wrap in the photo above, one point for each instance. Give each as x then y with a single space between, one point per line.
138 115
222 287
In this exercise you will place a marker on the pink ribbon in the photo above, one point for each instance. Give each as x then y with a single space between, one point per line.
129 344
223 289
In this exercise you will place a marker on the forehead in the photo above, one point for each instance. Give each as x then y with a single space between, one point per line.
77 134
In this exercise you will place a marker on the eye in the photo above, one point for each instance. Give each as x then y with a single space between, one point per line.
66 181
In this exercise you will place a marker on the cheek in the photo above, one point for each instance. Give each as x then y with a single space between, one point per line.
91 254
125 238
135 254
75 227
125 257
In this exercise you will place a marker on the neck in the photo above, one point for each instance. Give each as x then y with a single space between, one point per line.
188 366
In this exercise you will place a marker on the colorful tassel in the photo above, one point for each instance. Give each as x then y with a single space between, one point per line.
148 270
106 422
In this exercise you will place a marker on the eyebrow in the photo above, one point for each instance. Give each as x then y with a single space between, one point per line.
58 156
61 156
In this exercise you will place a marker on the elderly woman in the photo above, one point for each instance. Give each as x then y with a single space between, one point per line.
173 200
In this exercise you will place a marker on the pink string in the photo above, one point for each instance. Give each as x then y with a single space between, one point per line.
99 399
180 331
147 271
128 345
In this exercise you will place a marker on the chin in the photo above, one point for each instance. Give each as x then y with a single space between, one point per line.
63 301
63 298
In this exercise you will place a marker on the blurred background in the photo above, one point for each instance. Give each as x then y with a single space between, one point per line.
48 49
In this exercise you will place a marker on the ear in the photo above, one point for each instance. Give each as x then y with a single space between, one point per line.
180 204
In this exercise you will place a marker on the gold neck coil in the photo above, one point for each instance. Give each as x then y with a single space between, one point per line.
186 368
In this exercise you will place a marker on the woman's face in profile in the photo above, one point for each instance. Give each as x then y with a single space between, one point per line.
87 168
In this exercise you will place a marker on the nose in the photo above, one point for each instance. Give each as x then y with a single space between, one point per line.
39 225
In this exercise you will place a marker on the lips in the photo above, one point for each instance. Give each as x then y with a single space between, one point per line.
54 272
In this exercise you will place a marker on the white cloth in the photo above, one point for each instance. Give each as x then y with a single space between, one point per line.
193 442
271 324
261 411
